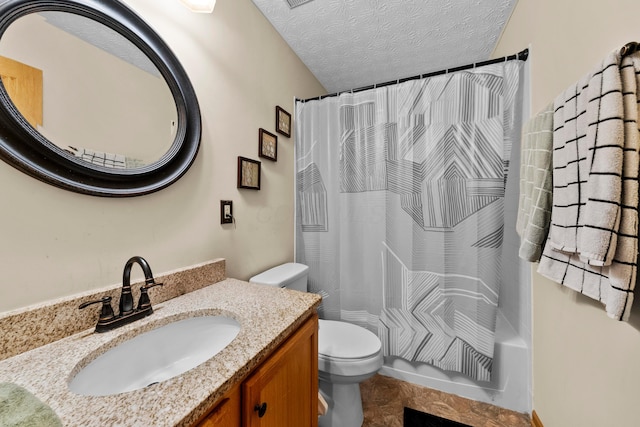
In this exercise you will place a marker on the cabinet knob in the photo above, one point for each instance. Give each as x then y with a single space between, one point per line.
261 409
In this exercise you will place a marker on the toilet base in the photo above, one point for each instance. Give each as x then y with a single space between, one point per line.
345 405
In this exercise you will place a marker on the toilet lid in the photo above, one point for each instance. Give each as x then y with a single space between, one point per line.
345 340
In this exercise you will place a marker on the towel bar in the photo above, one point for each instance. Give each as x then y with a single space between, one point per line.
629 48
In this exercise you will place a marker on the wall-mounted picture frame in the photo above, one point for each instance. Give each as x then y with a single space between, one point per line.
248 173
268 145
283 122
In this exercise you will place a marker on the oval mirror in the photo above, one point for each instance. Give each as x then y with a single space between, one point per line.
92 100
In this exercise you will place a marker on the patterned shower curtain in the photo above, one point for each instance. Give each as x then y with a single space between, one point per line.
399 210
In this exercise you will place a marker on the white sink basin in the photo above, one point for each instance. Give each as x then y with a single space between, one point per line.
156 356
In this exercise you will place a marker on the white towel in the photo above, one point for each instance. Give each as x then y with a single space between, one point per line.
612 285
568 177
597 238
623 269
592 281
587 164
534 211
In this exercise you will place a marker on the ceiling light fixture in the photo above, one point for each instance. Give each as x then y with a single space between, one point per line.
200 6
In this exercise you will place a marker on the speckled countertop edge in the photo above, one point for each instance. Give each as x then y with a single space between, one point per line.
267 316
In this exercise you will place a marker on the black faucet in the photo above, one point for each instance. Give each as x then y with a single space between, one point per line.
108 320
126 299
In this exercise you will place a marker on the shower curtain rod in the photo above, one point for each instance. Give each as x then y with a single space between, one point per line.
522 56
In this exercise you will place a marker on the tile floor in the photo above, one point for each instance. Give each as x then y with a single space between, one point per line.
384 399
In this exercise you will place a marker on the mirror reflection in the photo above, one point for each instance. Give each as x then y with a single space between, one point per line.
88 90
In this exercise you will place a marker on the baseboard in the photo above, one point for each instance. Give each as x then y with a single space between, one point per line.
535 420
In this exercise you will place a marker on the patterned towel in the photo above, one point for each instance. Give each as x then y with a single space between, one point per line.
612 285
623 269
20 408
534 211
587 163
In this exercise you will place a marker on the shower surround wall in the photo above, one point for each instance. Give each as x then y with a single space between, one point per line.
372 186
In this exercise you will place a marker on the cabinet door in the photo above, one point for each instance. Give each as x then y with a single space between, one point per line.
226 413
283 391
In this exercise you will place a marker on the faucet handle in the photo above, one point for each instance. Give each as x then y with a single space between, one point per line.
144 303
106 313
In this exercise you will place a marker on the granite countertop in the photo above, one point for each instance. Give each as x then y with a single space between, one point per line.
266 315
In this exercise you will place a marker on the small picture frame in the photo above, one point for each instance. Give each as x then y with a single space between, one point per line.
268 145
283 122
248 173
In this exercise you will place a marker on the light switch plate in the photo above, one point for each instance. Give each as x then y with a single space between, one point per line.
226 211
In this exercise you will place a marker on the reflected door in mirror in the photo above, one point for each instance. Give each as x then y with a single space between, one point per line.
24 85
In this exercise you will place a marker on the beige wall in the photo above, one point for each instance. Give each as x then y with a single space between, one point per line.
55 243
586 367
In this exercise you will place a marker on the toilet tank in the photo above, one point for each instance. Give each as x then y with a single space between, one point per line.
290 275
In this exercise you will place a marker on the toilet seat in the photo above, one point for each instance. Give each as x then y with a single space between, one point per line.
347 349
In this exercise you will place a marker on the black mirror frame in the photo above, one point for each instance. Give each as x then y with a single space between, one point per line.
26 149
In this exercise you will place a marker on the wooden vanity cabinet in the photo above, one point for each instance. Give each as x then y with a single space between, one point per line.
226 413
281 392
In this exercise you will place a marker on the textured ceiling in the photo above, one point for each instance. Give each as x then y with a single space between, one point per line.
102 37
353 43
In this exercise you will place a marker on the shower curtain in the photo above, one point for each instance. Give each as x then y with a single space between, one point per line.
399 210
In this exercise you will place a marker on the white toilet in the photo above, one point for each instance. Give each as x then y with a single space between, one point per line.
347 354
